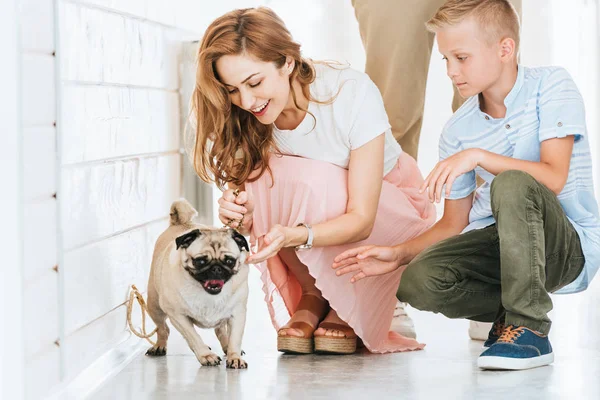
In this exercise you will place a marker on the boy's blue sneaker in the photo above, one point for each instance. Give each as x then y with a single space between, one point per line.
517 348
494 334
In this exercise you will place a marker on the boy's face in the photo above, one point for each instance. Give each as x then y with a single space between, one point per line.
473 64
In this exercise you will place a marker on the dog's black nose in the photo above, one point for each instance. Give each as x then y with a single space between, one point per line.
219 272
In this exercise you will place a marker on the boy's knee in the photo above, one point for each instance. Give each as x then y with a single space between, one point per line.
510 186
423 286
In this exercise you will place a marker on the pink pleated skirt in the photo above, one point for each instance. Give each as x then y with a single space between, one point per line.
310 191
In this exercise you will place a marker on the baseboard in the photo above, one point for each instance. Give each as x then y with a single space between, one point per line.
104 368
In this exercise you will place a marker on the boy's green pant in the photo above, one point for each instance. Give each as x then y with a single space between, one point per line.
506 269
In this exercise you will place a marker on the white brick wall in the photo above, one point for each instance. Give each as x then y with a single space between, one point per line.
119 162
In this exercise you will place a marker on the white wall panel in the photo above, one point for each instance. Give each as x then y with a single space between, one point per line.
102 199
191 16
40 161
12 369
110 121
84 346
102 47
40 243
40 312
98 277
37 25
158 11
43 373
39 95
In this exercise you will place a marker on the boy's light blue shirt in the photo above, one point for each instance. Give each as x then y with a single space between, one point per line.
543 104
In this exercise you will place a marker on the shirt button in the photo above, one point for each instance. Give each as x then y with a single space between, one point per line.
507 126
487 117
559 124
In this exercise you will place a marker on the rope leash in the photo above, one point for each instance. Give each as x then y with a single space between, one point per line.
135 293
240 222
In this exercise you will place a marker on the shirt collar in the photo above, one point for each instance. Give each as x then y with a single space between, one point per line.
511 96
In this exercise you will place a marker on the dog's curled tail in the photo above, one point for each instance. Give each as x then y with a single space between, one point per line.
182 212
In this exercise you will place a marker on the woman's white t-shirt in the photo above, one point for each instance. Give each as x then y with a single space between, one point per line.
356 117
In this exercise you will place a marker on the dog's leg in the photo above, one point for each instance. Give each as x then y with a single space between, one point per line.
235 329
185 326
223 336
160 320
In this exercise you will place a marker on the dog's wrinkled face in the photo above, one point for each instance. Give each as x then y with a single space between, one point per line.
212 256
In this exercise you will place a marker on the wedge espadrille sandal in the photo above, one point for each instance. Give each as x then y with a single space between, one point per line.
336 344
302 344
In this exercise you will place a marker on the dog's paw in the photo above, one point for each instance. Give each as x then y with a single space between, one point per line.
156 351
236 363
210 359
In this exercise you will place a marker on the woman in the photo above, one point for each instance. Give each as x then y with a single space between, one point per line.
312 169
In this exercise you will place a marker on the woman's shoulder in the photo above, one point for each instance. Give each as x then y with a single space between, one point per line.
333 78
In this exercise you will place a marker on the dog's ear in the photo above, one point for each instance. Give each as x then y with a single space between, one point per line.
240 240
184 241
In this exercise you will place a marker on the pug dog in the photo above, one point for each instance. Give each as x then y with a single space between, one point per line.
199 278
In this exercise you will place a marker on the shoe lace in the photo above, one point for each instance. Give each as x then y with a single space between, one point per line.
498 328
510 334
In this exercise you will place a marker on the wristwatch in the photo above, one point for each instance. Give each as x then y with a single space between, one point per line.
309 242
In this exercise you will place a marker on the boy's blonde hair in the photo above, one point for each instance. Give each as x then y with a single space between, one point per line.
498 19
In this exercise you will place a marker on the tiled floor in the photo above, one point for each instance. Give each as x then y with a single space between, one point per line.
446 369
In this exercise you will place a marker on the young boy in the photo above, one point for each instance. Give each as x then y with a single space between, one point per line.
532 228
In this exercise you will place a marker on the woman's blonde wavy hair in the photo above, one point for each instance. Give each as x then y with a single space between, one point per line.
230 143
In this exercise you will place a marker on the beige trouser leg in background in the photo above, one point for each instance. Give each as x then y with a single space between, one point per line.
398 51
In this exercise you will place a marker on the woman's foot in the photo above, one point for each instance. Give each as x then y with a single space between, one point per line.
341 328
311 310
297 335
335 336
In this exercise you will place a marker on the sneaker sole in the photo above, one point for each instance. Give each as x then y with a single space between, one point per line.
513 364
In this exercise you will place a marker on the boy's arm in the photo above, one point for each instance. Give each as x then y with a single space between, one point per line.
552 170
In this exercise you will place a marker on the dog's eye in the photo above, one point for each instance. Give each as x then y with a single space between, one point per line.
200 261
229 261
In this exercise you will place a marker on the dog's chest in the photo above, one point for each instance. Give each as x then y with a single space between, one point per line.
208 311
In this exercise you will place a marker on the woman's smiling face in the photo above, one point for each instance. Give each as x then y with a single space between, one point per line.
258 87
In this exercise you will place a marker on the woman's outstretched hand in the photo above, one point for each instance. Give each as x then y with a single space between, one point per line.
367 261
273 241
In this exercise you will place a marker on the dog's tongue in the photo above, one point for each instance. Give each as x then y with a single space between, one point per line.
214 283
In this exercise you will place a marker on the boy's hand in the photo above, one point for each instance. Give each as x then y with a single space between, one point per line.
445 172
367 261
